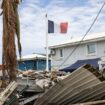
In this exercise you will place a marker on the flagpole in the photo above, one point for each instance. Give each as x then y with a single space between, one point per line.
47 58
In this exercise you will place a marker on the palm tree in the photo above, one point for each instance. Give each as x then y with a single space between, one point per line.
11 27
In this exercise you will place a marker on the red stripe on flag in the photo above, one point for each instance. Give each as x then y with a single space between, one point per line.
63 27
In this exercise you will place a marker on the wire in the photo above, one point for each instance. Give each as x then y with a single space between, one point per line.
83 36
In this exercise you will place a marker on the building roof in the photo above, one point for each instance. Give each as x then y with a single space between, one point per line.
75 41
33 56
77 64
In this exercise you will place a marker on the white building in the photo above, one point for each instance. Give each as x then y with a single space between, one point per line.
92 46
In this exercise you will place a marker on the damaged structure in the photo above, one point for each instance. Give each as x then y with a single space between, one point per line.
33 62
83 85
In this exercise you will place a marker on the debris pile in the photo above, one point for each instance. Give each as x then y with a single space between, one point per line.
37 82
85 85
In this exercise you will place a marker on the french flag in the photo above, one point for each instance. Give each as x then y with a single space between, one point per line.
53 27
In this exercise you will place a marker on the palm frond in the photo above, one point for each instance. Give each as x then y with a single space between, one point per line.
11 27
17 28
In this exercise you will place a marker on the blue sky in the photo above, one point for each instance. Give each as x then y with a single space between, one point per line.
78 13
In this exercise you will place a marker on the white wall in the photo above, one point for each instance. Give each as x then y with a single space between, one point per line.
79 54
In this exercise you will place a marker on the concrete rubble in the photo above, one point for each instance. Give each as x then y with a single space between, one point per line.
38 82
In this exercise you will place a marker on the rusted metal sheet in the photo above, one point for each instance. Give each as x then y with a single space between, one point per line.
83 78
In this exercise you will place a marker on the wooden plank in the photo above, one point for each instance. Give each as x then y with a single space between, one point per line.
7 92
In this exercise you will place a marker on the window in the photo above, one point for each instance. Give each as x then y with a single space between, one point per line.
91 48
61 53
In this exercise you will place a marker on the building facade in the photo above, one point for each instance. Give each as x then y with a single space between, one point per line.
67 53
33 62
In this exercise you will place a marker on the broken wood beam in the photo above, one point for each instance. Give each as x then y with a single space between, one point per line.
7 92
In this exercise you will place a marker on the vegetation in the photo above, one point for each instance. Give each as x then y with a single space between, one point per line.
11 27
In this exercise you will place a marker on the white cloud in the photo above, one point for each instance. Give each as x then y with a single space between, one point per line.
33 22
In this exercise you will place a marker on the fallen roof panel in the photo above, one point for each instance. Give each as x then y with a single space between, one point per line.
85 77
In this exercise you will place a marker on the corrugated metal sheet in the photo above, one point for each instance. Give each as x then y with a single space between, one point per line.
83 78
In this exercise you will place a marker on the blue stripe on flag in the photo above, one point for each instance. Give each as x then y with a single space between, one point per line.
50 26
